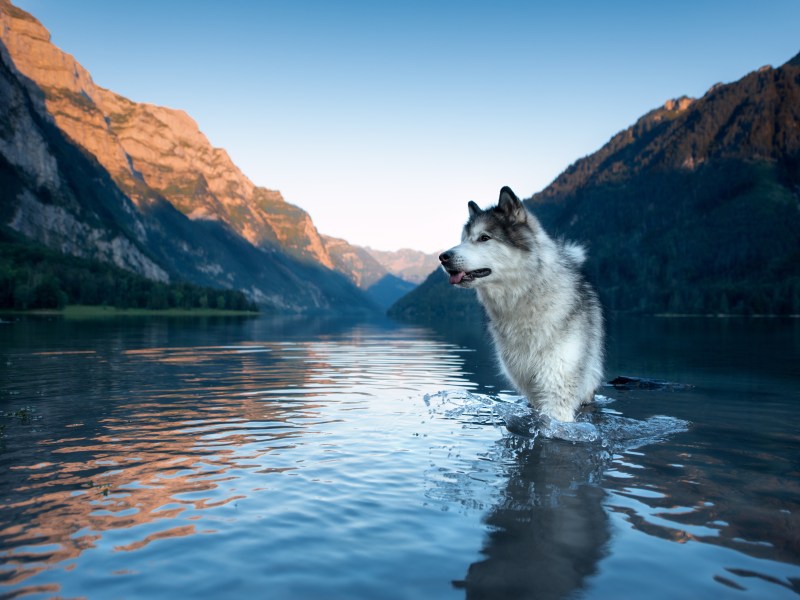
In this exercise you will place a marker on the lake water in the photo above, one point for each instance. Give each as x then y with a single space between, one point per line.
310 458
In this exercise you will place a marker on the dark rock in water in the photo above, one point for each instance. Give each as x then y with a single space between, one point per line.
523 425
624 382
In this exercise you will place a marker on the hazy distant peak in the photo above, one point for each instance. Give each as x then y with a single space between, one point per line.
410 265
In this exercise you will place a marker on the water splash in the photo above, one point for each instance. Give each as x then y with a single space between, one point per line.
476 409
604 427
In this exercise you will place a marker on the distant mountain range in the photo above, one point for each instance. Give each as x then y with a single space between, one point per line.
694 209
90 173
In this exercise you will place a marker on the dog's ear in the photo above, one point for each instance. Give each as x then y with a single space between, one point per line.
474 209
511 206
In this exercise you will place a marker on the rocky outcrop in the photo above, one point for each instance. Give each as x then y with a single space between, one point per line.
678 105
60 229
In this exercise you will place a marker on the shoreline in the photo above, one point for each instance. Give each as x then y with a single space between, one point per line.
82 311
722 316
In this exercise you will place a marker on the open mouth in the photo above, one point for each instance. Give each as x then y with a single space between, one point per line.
457 277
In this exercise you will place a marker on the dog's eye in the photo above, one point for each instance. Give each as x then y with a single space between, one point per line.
484 238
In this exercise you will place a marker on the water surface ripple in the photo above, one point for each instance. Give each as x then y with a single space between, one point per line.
233 459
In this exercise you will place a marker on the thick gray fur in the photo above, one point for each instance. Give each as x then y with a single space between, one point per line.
544 317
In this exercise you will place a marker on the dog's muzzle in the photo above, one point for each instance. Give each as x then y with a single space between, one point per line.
457 275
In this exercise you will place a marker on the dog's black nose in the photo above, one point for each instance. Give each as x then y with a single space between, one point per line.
444 257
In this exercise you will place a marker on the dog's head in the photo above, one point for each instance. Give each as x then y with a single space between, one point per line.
495 243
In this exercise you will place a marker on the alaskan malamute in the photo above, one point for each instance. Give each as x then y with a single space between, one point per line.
544 317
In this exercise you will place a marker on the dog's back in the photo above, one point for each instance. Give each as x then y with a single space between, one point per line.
544 317
551 346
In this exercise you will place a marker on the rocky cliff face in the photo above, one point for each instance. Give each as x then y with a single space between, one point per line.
90 173
39 199
152 151
69 90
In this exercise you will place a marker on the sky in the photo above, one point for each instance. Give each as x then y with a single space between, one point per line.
382 119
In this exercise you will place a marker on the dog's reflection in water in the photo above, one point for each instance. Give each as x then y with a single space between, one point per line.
550 530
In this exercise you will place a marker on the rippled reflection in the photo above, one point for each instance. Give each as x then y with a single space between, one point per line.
135 446
261 459
727 493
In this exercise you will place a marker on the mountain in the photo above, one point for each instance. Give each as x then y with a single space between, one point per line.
435 300
154 151
409 265
388 289
386 276
694 209
354 261
365 266
92 174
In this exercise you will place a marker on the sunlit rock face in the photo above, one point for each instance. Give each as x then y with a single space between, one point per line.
90 173
152 150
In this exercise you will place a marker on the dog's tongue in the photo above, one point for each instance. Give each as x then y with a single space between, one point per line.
454 279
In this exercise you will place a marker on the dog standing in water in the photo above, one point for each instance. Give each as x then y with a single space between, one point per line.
544 317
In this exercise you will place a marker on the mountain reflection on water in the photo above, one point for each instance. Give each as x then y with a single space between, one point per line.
303 459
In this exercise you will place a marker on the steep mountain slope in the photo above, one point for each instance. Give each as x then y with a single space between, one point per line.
151 150
52 192
693 209
70 182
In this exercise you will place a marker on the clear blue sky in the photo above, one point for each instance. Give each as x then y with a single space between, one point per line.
382 119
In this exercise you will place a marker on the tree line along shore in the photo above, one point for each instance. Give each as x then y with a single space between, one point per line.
33 277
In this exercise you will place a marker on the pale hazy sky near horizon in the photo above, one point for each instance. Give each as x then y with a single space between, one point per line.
382 119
